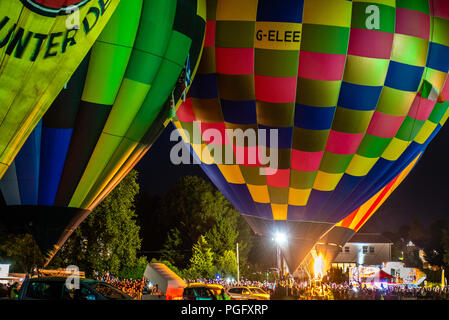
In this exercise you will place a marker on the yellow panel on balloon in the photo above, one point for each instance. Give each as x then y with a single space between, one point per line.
395 102
365 71
360 166
237 10
259 193
395 149
444 118
298 197
327 12
425 132
326 181
279 211
231 173
435 77
278 35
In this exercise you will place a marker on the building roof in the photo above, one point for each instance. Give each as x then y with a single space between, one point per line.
369 238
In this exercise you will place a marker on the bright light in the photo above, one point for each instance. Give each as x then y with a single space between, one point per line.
280 238
318 267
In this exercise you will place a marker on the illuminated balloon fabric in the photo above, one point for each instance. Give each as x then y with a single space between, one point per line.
344 99
112 110
39 51
329 245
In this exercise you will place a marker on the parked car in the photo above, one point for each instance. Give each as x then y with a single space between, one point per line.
199 291
248 293
55 288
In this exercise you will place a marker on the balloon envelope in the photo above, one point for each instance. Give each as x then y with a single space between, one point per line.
106 118
350 88
42 43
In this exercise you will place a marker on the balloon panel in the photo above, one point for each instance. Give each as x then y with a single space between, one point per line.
112 110
349 101
41 45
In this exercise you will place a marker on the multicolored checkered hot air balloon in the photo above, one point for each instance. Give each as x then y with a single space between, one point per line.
352 88
42 42
105 120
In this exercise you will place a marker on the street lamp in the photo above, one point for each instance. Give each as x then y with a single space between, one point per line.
281 240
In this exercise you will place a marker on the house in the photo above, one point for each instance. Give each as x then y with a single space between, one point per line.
364 249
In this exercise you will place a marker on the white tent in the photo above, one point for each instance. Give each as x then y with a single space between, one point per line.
168 282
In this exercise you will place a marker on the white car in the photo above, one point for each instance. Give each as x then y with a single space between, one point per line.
248 293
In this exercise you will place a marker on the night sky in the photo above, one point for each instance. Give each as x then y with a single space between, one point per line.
423 195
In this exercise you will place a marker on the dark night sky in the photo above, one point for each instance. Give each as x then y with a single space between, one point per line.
423 195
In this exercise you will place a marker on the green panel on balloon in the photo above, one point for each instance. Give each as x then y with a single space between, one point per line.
360 16
409 129
372 146
335 163
438 112
109 62
143 67
302 179
156 15
252 176
114 31
102 154
351 121
418 5
178 48
284 157
235 34
318 93
309 140
275 114
440 31
324 39
278 195
236 87
276 63
155 100
128 102
409 50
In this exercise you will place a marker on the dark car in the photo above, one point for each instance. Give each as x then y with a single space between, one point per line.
52 288
196 291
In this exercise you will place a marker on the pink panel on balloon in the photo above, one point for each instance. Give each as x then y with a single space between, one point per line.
247 156
235 60
440 8
185 111
306 161
445 90
421 108
384 125
413 23
343 143
209 40
275 90
281 179
370 43
321 66
214 133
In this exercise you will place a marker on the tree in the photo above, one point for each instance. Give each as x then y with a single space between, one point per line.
21 251
194 208
227 264
108 239
201 262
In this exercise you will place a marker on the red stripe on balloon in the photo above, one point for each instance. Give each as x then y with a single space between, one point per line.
413 23
234 60
370 43
321 66
275 90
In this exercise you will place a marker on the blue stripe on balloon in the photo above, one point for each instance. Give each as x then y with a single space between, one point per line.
358 97
404 77
316 200
280 11
284 137
314 118
295 213
55 144
437 58
204 86
239 112
27 165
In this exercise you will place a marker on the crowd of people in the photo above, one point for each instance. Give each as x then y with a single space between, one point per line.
134 288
